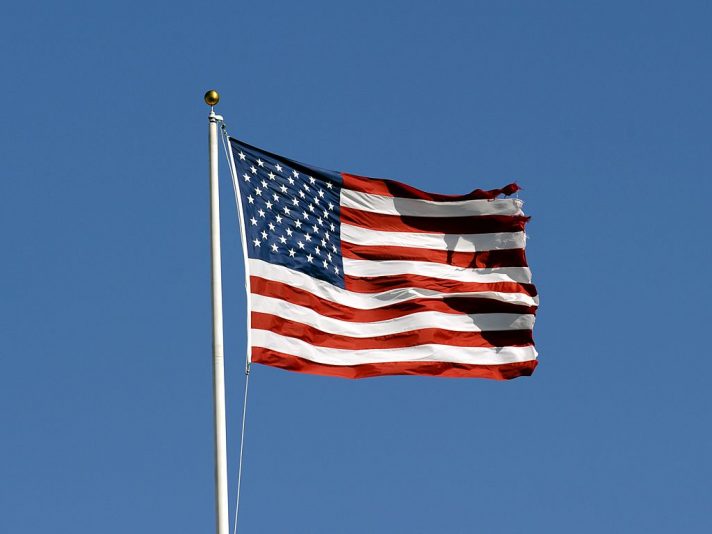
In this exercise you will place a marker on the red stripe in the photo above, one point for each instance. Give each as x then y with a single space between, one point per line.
377 284
454 370
482 224
392 188
488 258
454 305
423 336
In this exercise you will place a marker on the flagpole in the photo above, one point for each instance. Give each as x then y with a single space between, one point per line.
221 507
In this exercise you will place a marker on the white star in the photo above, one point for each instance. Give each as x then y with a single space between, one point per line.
258 191
323 243
311 207
307 237
336 269
329 185
300 244
278 168
317 250
325 264
291 252
256 242
298 223
306 187
311 180
286 210
315 228
326 235
305 215
328 255
272 227
275 196
264 234
290 180
320 221
242 156
260 163
283 188
264 184
278 218
246 177
253 170
269 205
289 232
331 206
282 239
295 202
296 174
250 199
321 193
253 221
333 247
271 175
326 214
310 258
316 201
301 194
333 228
261 212
274 247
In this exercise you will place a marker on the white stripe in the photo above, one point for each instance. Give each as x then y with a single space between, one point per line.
452 242
369 301
420 353
429 208
521 275
415 321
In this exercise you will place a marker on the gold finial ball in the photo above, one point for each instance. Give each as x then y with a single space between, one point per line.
212 97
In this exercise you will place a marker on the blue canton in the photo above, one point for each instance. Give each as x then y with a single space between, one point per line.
291 212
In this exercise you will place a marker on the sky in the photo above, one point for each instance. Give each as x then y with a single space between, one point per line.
601 111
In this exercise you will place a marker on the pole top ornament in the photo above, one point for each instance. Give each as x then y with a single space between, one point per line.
212 97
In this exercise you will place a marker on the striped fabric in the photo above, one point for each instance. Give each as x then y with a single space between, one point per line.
358 277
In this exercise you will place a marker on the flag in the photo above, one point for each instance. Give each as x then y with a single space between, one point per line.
358 277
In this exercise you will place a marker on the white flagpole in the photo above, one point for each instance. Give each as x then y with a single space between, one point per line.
222 522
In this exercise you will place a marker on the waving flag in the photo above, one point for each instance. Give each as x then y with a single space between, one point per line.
358 277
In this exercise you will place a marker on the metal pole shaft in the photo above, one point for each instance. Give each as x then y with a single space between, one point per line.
221 509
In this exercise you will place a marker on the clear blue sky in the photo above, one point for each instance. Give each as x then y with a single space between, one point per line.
600 110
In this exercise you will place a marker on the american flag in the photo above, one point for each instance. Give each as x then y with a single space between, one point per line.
357 277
